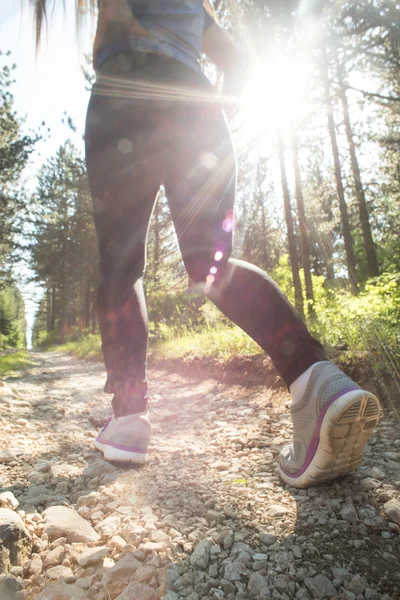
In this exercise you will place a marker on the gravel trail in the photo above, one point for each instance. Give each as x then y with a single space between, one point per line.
206 518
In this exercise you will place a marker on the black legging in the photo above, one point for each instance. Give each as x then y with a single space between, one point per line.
151 120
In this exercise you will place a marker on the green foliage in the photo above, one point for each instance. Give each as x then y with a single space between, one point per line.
43 340
242 482
355 325
15 149
88 347
219 341
354 329
175 311
363 322
12 318
12 363
364 37
64 246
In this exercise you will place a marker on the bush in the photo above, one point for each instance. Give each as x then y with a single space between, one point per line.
358 321
173 314
46 339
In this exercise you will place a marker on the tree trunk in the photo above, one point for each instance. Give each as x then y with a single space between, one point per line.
53 309
86 320
48 310
64 293
348 244
94 312
264 234
156 257
372 262
304 243
293 255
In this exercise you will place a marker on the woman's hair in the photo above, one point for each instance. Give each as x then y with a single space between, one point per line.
207 5
42 7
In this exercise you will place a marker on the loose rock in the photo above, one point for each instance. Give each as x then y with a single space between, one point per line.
61 591
257 585
124 568
392 510
138 591
8 500
15 540
320 587
349 513
7 456
92 556
201 556
58 572
62 521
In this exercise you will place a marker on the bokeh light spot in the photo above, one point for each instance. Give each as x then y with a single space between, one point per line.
124 146
227 225
209 160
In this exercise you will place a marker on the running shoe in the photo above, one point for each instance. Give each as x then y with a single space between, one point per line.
125 439
332 424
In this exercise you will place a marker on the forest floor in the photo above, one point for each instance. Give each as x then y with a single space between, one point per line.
206 518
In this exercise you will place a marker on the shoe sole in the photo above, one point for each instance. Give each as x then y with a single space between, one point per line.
340 439
114 454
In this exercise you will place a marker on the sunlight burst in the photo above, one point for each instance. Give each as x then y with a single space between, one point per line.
274 94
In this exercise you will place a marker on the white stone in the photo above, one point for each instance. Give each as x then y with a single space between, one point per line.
159 536
92 556
54 557
8 500
124 568
138 590
392 510
7 456
133 534
277 510
62 591
58 572
42 467
109 526
153 547
61 521
65 470
34 566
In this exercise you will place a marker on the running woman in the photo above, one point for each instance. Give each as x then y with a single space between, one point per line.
153 119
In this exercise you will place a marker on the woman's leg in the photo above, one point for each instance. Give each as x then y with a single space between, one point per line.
200 187
333 417
121 154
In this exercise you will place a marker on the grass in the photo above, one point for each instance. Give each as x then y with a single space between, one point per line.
218 342
11 364
88 347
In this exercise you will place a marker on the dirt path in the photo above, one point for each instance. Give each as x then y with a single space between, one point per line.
207 517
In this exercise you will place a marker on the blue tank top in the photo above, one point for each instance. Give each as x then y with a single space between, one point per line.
176 25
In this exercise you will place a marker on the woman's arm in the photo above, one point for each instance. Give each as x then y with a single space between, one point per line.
115 22
220 49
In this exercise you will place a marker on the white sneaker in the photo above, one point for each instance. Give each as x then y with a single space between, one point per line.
332 424
125 439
